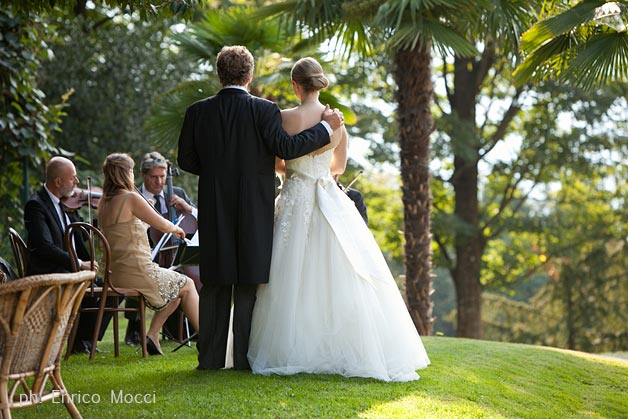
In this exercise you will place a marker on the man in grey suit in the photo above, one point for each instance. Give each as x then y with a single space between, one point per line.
230 141
153 168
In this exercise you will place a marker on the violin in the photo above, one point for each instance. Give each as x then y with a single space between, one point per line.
81 197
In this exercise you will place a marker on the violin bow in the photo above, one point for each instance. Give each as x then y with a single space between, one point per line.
89 201
353 181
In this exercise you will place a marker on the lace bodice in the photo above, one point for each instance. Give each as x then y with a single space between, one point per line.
302 176
314 166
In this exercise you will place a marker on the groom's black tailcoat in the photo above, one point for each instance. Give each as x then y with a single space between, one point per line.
230 141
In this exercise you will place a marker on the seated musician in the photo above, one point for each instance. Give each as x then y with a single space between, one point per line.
122 213
153 168
45 219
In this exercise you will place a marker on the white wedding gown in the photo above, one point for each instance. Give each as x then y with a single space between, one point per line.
331 305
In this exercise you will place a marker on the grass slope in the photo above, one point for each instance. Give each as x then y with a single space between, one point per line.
467 379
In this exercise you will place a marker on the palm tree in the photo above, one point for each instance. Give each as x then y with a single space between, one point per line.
585 45
409 30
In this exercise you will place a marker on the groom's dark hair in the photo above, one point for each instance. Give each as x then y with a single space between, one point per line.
235 65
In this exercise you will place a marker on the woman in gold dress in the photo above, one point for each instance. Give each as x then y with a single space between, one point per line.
122 216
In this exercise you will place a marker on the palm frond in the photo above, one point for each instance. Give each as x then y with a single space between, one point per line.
306 16
448 41
566 22
602 60
233 26
570 48
442 37
352 36
166 119
506 21
544 61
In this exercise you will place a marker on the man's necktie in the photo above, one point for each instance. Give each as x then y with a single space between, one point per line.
158 203
63 220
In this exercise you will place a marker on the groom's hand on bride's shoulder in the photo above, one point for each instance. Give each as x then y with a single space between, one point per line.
333 118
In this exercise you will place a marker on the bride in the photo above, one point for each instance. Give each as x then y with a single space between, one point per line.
331 305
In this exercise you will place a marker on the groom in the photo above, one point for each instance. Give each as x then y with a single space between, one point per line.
230 141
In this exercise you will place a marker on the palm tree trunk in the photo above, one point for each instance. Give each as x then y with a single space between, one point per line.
412 71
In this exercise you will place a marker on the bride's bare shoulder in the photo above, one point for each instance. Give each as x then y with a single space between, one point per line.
288 113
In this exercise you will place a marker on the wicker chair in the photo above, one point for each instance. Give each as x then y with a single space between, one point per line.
104 292
36 314
19 251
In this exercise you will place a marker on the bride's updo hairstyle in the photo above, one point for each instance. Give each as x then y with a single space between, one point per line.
308 73
117 169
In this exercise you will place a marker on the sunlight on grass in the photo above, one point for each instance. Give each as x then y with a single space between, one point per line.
429 408
606 359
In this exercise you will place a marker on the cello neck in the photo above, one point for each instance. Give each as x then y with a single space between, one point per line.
172 214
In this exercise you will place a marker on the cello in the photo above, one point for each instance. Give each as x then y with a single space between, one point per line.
165 246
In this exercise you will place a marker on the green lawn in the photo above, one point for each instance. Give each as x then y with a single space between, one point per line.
467 379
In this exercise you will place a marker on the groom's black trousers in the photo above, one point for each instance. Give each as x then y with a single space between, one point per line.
214 312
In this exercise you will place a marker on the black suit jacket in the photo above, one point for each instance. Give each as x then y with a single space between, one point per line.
358 200
230 141
46 248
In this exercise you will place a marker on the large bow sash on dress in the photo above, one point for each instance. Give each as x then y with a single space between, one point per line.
348 226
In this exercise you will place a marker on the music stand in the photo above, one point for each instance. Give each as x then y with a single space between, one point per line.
187 254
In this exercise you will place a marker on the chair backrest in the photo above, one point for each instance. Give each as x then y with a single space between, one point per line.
6 271
19 251
87 232
90 233
36 314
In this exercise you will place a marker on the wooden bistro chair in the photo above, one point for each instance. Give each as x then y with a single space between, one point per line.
19 251
36 314
106 291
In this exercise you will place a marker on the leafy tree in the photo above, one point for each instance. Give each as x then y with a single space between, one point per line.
27 123
77 7
469 131
545 145
116 65
584 305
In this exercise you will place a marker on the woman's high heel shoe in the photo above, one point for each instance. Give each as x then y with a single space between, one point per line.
151 347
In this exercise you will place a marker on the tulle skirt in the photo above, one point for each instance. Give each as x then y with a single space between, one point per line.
331 305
